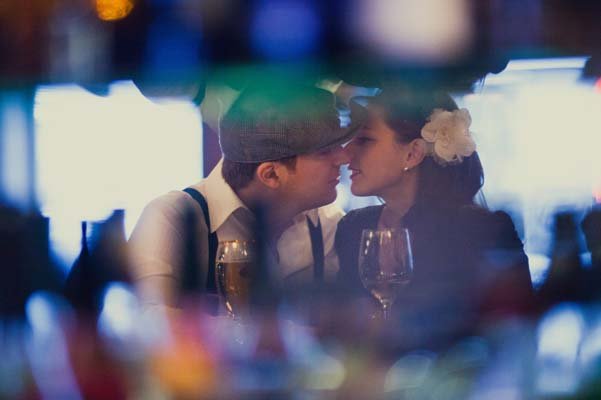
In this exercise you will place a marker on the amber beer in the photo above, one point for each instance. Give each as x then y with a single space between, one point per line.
233 283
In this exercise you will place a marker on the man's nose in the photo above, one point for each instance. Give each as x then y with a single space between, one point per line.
341 156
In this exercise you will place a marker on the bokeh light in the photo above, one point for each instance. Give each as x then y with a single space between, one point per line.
112 10
414 30
285 29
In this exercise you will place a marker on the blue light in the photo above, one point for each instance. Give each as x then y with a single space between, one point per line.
560 333
410 372
286 29
172 47
590 350
47 347
120 308
40 314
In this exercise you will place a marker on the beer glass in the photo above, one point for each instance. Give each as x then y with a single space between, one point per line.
233 270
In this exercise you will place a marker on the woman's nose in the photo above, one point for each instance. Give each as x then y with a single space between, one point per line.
349 151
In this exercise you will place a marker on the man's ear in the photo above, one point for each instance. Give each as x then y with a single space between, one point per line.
416 154
267 174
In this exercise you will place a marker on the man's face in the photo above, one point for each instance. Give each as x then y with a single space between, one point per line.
312 183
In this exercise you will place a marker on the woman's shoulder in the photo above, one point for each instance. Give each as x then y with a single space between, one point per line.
361 216
480 215
484 224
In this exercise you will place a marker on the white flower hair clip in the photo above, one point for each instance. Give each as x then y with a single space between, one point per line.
448 136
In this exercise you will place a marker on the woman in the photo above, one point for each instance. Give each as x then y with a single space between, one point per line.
417 155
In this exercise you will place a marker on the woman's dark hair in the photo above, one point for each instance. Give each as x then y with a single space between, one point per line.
406 112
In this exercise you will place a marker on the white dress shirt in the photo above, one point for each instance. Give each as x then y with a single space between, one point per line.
156 244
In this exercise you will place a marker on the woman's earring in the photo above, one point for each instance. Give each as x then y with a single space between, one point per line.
406 169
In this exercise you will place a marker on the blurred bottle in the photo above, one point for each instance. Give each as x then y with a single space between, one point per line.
566 277
103 259
79 284
591 226
109 246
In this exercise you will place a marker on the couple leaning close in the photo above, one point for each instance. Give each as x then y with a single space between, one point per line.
282 151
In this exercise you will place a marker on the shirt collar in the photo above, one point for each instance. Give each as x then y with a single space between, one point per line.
221 198
312 214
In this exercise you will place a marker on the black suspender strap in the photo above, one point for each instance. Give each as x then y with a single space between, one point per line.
317 248
195 194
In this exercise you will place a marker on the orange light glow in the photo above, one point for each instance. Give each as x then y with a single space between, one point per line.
184 369
111 10
598 86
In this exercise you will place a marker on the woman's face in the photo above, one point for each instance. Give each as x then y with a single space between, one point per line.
376 158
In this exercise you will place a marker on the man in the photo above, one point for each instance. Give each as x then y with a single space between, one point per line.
281 150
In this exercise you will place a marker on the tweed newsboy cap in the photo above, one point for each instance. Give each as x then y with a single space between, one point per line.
268 124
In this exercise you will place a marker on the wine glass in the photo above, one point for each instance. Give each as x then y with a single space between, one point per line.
385 264
233 273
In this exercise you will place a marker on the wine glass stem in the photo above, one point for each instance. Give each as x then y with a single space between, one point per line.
386 310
